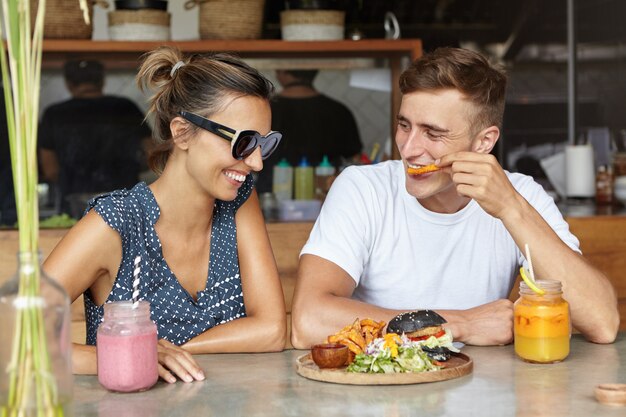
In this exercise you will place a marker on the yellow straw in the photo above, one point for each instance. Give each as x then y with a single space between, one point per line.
530 262
530 281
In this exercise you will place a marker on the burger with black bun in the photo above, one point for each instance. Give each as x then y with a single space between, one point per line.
417 325
424 327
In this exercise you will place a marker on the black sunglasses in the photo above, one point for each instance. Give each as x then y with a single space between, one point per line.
243 142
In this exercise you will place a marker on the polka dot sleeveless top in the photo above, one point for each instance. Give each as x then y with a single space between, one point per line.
133 214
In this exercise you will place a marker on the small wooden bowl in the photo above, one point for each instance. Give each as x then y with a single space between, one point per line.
329 355
611 394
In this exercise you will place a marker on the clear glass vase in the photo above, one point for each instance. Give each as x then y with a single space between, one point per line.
35 352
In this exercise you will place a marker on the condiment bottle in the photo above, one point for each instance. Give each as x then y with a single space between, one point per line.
604 185
304 180
269 206
324 175
282 180
619 164
542 325
126 347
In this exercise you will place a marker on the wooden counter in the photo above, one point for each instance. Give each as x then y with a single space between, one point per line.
602 239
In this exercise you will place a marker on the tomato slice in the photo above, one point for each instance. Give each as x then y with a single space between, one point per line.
418 338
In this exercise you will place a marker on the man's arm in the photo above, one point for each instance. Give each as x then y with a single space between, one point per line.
592 299
322 305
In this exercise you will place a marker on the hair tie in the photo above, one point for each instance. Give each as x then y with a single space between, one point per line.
176 66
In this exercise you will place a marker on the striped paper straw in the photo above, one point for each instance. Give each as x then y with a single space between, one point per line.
136 282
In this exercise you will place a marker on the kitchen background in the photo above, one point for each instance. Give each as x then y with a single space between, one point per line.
528 37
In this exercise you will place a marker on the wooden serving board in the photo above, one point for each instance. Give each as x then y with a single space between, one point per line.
458 365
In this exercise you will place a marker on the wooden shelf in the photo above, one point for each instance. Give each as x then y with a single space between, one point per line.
126 54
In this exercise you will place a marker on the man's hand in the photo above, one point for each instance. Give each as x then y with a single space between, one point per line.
174 360
487 324
480 177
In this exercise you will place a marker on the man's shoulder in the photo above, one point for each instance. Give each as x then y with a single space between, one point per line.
332 104
530 189
117 99
60 106
87 105
117 102
382 177
382 170
522 181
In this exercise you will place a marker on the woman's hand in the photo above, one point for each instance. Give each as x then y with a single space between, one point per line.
174 360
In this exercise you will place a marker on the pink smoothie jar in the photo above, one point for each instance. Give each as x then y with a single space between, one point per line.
126 347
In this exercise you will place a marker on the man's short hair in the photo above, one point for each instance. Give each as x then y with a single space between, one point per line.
77 72
466 71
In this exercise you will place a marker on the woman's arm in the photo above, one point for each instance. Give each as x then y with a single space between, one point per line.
88 257
83 259
264 328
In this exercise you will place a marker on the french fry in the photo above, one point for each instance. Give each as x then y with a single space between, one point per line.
353 347
358 335
356 325
423 170
371 323
357 338
345 329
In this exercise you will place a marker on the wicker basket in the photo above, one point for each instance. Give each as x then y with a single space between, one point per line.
139 25
64 19
309 25
229 19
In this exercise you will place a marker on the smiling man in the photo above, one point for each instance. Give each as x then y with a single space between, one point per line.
392 238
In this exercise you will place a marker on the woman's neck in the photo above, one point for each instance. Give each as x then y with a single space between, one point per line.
181 202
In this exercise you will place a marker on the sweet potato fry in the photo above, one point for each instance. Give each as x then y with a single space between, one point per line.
423 170
369 329
356 325
372 323
357 338
358 335
353 347
337 337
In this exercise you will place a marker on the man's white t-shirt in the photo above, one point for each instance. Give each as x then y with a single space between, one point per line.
403 256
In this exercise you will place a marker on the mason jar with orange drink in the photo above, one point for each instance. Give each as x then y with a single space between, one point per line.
542 326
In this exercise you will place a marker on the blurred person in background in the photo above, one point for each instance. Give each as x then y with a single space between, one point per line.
8 214
92 142
312 123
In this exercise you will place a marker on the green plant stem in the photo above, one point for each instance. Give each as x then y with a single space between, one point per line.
29 369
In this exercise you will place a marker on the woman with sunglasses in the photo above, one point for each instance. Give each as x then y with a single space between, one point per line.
206 264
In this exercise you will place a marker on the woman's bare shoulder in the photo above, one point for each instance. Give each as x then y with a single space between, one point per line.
89 249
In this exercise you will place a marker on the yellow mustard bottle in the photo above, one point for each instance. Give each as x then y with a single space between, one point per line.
542 326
